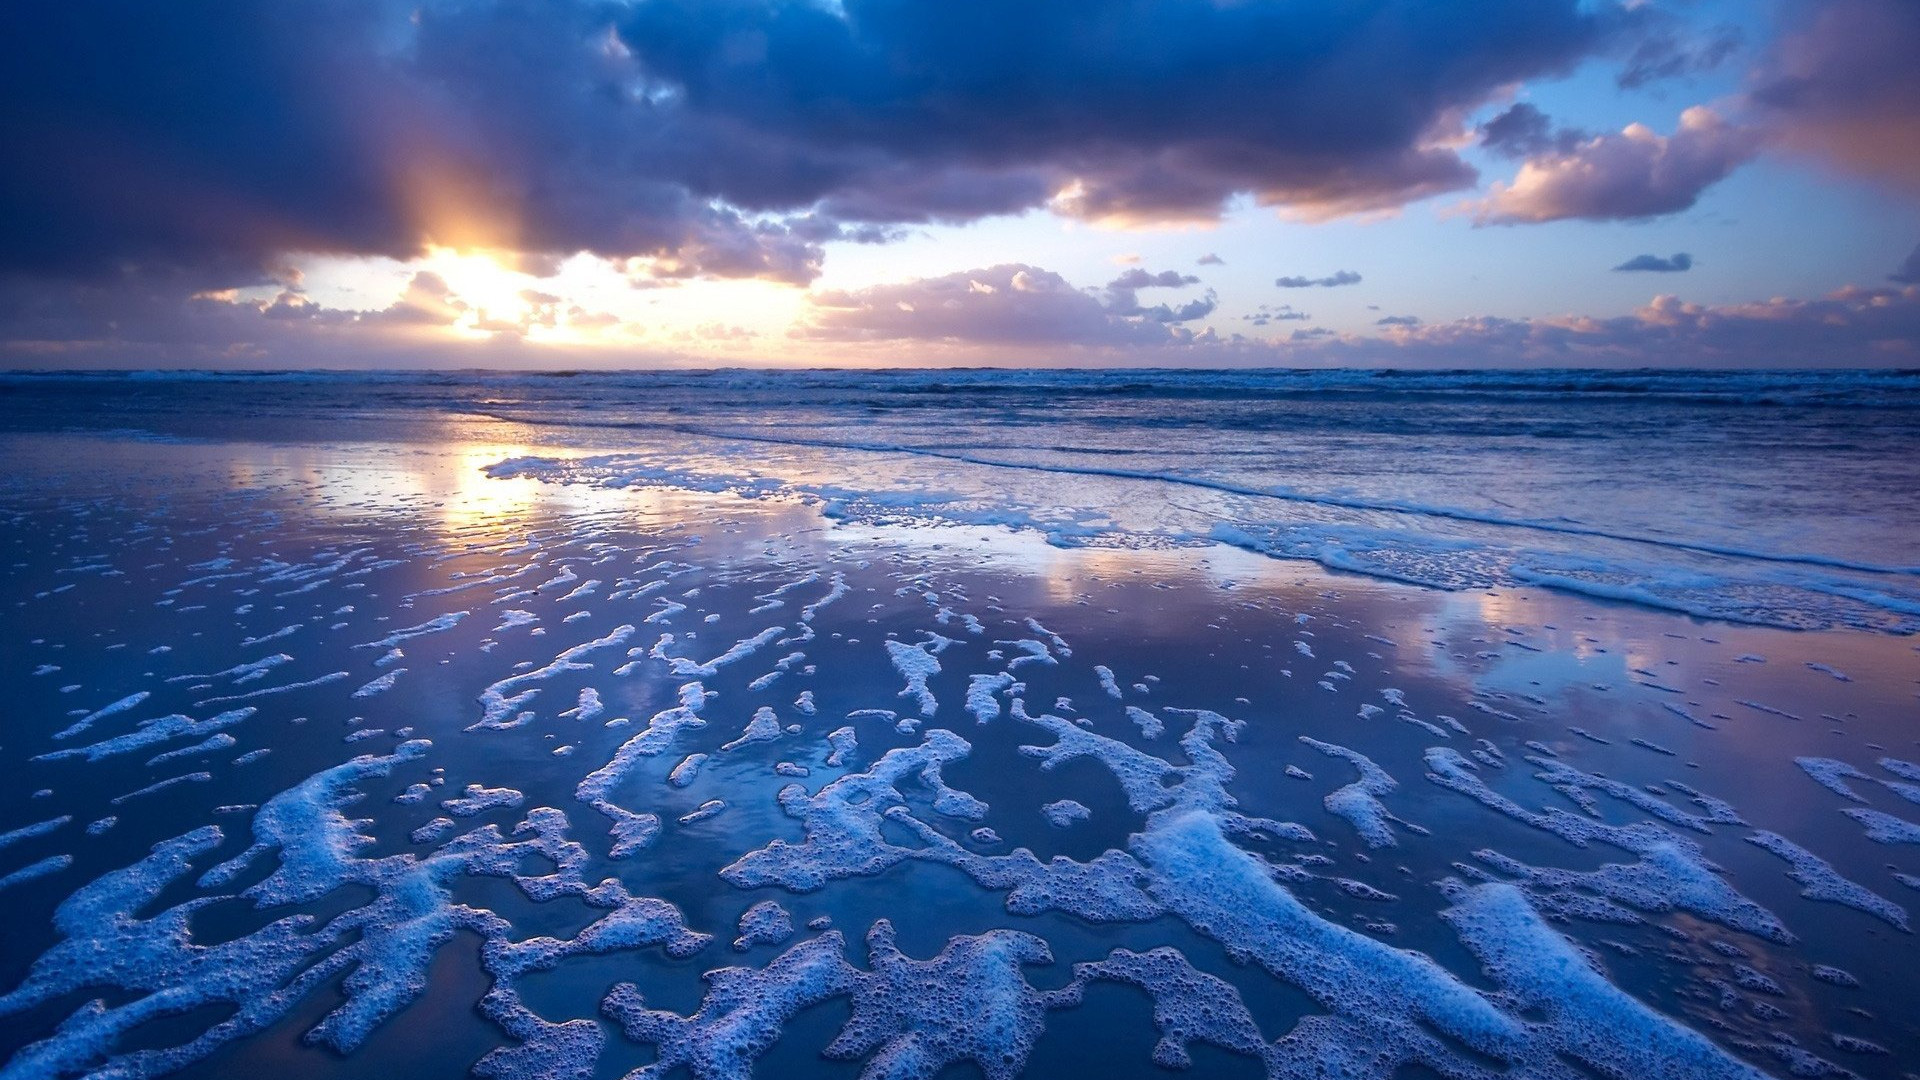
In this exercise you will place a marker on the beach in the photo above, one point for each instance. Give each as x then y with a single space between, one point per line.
1047 722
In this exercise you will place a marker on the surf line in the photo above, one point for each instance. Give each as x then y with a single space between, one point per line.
1228 488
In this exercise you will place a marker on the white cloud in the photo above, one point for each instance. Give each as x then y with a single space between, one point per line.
1637 173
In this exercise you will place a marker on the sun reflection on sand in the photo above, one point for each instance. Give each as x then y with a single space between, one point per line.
478 502
450 486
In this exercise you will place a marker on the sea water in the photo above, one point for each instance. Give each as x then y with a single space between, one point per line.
962 723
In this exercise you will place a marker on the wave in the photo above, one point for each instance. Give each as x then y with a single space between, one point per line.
1396 506
1805 592
1852 388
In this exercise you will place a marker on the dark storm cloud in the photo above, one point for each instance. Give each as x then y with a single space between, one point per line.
214 135
1334 280
1680 261
1159 110
188 135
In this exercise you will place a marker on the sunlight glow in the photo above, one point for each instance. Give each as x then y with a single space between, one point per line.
494 293
583 301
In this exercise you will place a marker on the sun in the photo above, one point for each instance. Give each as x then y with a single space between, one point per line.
494 292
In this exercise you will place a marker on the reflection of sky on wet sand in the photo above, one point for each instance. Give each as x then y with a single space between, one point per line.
1550 661
349 479
373 478
1620 660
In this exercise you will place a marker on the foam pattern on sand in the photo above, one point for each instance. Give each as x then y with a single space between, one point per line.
783 780
1359 802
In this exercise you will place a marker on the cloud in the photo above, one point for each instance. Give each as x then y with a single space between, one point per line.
1137 278
1341 277
1266 314
1672 53
717 138
1909 271
158 318
816 229
721 243
1013 314
1632 175
1009 304
1680 261
1851 327
1841 86
1020 314
427 301
1123 297
1523 131
715 331
1210 259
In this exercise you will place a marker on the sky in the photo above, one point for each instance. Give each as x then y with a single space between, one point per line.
1174 183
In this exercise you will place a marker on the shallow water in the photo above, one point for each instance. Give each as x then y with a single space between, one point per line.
1494 823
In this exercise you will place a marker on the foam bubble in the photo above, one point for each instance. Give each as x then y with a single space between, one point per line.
841 823
87 721
1587 1018
28 832
1359 802
633 831
1064 813
687 771
1149 724
1821 881
150 732
764 727
740 650
380 685
982 701
917 664
1669 876
845 743
52 864
478 800
496 702
1883 827
765 923
1188 1004
1832 775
